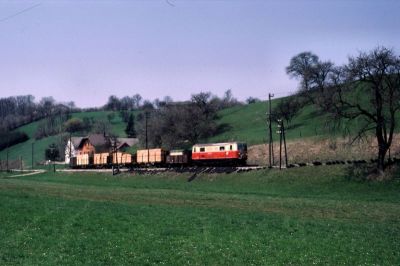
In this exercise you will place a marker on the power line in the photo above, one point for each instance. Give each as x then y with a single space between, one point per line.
19 12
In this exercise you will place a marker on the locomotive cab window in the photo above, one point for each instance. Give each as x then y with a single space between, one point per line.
221 148
230 147
202 149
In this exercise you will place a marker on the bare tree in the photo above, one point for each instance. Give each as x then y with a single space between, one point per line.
173 125
137 99
287 108
367 88
376 76
302 66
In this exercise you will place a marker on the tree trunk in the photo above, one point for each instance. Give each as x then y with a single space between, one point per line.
383 148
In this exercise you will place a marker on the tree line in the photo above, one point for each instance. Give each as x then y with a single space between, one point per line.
136 102
16 111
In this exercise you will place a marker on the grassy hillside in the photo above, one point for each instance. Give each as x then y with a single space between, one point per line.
299 216
249 123
24 149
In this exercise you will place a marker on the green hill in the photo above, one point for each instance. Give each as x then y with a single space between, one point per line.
24 150
249 123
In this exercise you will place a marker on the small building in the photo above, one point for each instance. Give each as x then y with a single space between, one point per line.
95 143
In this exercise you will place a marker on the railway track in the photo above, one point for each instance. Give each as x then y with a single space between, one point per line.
194 171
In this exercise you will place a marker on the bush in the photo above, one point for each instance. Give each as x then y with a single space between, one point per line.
52 152
251 100
8 139
74 125
367 172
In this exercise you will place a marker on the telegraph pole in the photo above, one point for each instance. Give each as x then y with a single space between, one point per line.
270 145
33 144
7 159
70 148
284 143
147 146
53 157
280 142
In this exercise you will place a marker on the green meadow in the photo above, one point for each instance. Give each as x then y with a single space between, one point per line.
302 216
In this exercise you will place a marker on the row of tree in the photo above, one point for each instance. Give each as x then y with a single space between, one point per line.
19 110
136 102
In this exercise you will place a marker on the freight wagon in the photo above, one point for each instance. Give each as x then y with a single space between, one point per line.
151 156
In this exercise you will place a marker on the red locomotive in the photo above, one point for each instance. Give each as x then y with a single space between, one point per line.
227 152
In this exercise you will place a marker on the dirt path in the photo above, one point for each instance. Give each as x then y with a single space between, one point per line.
30 172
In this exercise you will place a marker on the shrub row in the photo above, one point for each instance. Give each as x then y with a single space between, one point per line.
8 139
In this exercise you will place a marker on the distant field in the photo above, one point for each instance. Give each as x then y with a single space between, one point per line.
298 216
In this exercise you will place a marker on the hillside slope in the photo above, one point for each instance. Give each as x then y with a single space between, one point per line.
248 123
24 150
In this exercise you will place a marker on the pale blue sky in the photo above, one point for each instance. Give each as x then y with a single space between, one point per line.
85 51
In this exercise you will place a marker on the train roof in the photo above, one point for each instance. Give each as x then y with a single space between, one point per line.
219 144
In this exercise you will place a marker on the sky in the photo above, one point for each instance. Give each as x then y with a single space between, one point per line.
85 51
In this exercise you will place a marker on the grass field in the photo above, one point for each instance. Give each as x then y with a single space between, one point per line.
298 216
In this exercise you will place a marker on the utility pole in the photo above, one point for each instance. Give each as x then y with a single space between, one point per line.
115 168
147 146
280 142
116 153
54 160
8 145
270 144
33 144
7 159
282 139
284 143
70 148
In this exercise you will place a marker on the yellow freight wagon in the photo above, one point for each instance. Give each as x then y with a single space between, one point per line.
101 159
122 158
82 159
150 156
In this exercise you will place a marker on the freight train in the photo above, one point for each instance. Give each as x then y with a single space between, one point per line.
227 153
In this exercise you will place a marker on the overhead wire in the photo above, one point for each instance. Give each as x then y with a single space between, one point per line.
20 12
